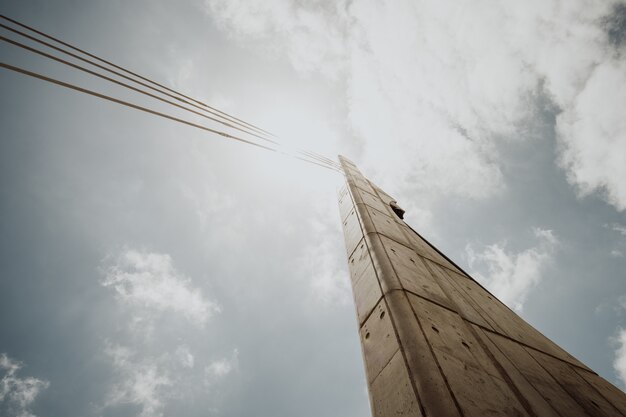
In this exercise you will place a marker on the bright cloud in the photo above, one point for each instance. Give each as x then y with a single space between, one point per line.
619 361
511 276
148 371
323 261
290 26
432 86
593 131
618 228
617 252
220 368
142 382
149 280
184 356
17 394
619 364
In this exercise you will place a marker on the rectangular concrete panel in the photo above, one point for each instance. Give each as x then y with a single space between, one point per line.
477 393
607 390
431 387
359 260
435 342
379 341
367 293
537 376
459 300
447 332
583 393
509 322
412 272
345 202
352 231
386 225
423 248
392 392
525 392
372 201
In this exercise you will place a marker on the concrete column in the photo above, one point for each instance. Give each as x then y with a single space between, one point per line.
436 343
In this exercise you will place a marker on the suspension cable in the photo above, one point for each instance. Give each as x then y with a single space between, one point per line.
142 108
224 114
229 121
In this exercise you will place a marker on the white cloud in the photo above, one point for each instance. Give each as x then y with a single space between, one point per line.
593 132
323 262
220 368
618 228
511 276
617 252
17 394
184 356
328 278
612 306
619 363
289 27
149 280
150 372
432 86
142 382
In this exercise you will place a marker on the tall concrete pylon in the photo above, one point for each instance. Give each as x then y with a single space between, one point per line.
435 343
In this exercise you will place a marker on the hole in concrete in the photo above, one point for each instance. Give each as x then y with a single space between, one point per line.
367 335
435 329
382 314
466 345
399 211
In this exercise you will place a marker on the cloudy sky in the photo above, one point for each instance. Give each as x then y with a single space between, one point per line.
151 269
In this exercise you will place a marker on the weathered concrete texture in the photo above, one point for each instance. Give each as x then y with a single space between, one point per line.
436 343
